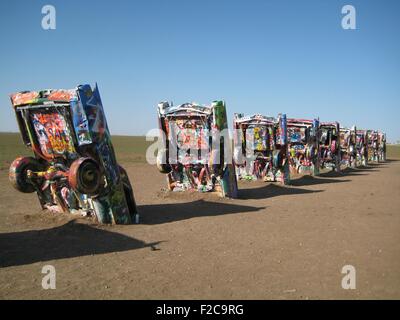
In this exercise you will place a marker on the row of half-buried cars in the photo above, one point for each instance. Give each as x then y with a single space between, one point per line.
74 168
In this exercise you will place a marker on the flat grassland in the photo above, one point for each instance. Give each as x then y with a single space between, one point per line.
393 151
273 242
128 149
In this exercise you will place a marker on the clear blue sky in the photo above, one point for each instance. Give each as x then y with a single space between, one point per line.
259 56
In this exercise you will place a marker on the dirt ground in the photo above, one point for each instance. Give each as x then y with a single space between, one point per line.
273 243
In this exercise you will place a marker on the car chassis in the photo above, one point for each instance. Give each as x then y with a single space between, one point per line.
196 150
362 147
376 146
260 151
329 145
74 168
348 148
303 146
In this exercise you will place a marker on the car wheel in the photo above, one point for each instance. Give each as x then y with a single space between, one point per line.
85 176
18 173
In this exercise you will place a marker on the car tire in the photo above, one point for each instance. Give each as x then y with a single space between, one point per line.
18 173
86 177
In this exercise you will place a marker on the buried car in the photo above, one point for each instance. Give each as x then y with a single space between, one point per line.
260 150
74 168
362 147
303 140
382 146
196 150
348 146
329 145
373 145
376 146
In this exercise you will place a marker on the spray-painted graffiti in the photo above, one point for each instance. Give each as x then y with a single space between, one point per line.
260 148
329 145
376 146
53 133
348 146
303 139
362 147
74 169
194 148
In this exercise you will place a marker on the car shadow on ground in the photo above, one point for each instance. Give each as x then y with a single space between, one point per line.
308 180
349 172
374 165
171 212
272 190
70 240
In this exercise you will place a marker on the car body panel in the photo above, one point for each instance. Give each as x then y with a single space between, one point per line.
348 146
260 148
61 127
303 140
193 154
329 145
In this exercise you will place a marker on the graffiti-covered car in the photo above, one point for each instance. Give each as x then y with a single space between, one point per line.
260 148
303 140
376 146
74 168
373 145
362 147
348 146
196 151
329 145
382 146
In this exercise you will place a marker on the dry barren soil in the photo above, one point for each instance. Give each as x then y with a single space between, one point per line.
273 242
